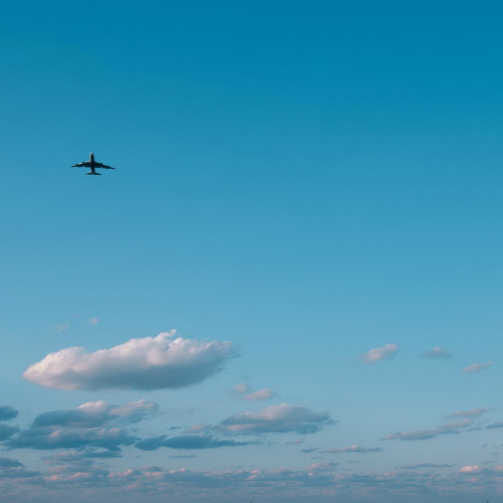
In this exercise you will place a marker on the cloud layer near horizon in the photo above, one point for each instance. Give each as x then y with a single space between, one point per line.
148 363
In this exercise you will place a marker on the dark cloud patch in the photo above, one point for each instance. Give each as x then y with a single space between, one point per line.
10 463
14 469
494 426
94 414
7 413
69 418
186 442
48 438
7 431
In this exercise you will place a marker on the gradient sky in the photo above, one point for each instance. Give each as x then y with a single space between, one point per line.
309 194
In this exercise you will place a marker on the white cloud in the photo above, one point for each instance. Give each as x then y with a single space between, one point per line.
148 363
477 367
276 419
383 353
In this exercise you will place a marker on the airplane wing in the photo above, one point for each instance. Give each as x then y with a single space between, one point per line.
81 165
99 165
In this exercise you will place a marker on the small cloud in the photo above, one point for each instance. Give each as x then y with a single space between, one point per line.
469 469
437 353
383 353
261 394
477 367
94 320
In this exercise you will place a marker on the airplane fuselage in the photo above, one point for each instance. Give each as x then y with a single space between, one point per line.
92 166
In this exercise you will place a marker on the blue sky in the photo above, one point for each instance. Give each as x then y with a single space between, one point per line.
309 194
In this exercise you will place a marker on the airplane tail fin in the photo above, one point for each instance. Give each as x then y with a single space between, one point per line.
93 173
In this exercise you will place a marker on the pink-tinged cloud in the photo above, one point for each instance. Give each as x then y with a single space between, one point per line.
469 469
477 367
160 362
383 353
261 394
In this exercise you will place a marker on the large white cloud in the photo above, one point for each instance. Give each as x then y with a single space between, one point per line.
164 361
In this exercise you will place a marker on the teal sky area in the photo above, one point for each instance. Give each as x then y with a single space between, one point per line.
309 194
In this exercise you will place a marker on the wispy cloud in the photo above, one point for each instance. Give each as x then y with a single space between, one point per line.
150 363
445 429
437 353
426 466
355 448
385 352
246 391
261 394
494 426
276 419
187 442
469 413
477 367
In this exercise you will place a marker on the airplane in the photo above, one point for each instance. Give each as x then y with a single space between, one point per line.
92 164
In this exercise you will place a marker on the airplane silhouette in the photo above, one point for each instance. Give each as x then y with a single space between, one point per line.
92 165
